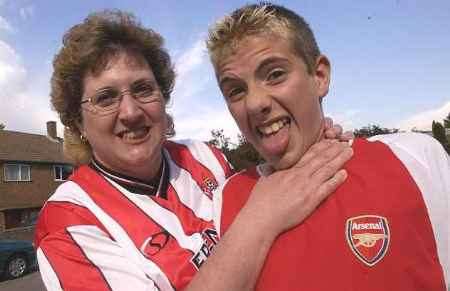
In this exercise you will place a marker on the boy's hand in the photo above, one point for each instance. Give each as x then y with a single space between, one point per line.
285 198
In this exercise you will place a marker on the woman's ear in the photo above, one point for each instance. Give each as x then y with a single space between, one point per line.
322 74
79 126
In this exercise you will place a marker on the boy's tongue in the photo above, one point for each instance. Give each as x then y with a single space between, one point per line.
275 144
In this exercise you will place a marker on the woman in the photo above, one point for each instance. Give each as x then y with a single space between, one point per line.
137 213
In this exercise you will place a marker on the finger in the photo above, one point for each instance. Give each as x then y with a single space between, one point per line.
330 134
330 185
323 191
337 129
328 122
334 132
328 170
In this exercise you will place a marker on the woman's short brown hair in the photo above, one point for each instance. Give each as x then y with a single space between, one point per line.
87 48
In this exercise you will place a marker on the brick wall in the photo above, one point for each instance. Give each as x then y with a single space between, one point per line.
25 233
28 194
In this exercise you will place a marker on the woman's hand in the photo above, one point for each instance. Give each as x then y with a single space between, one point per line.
285 198
335 131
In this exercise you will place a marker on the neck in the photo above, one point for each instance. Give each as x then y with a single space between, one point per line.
321 133
156 186
146 172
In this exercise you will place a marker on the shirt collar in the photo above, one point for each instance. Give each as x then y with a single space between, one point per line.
156 187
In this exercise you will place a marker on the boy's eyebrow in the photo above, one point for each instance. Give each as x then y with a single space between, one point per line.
269 61
225 80
259 68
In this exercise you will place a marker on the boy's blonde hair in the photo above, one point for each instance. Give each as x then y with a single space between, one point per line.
267 19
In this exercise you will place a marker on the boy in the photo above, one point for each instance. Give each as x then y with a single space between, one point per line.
386 227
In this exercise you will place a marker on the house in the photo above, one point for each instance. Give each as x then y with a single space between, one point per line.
32 166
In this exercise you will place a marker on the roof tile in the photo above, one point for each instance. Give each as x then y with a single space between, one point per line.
20 146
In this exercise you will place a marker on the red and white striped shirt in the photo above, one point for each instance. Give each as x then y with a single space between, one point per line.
94 234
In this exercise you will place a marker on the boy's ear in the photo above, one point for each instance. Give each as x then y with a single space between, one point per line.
322 72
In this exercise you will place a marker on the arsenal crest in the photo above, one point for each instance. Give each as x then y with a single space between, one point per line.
368 237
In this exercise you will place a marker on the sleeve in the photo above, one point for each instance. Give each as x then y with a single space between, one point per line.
201 160
231 197
429 165
76 253
217 208
222 159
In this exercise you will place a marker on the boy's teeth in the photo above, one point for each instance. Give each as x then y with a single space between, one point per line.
273 128
268 130
276 126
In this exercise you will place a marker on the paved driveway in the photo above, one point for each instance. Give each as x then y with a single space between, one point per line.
30 282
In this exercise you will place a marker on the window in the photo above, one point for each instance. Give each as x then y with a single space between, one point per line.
62 172
20 217
17 172
28 217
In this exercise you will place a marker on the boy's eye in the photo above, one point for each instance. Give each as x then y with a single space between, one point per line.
275 74
234 93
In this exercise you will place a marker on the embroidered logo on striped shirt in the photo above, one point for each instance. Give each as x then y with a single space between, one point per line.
209 185
155 243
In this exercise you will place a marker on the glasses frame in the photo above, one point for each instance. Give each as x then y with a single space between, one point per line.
102 111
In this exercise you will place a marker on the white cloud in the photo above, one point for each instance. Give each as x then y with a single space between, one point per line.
199 126
423 120
12 71
26 12
191 59
193 73
24 99
192 108
4 25
348 119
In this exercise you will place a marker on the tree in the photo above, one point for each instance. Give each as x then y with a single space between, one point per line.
244 155
373 129
241 155
439 134
219 140
447 121
2 126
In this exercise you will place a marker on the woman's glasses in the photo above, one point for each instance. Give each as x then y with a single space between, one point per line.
107 100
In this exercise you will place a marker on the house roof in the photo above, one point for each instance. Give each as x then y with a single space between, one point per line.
27 147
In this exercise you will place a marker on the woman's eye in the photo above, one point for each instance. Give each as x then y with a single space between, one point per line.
143 89
105 97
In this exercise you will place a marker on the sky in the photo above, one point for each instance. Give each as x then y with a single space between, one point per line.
390 59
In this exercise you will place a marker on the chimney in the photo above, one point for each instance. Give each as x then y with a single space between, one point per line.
51 130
